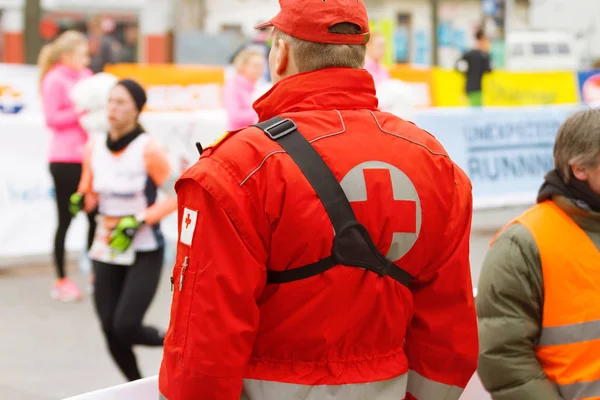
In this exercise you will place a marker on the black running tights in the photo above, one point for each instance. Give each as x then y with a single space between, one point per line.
122 295
66 180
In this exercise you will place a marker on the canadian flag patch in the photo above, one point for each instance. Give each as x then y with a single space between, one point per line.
188 226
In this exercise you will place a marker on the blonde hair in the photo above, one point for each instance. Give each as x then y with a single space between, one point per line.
577 143
51 53
245 55
310 56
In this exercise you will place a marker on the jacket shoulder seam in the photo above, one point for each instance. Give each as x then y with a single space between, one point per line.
400 136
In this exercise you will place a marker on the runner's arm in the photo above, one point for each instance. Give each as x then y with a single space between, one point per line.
164 177
90 200
441 342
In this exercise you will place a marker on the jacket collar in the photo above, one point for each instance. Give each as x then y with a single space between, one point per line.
326 89
589 221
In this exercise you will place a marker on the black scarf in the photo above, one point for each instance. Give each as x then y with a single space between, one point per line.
119 144
577 191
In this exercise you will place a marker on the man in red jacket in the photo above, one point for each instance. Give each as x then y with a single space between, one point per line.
324 252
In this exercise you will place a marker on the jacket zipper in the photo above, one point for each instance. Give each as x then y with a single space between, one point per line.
186 262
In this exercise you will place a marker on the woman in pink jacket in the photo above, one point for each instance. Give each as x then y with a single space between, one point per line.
62 64
249 66
375 55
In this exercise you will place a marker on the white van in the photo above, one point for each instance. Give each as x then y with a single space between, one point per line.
541 51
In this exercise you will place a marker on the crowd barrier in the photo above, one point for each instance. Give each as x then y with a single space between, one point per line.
173 87
504 151
143 389
27 208
147 389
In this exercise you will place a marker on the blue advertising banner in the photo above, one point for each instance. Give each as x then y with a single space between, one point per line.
505 151
588 83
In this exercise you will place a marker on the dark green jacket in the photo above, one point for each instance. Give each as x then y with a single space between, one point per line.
510 298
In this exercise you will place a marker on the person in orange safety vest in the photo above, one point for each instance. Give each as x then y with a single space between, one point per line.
323 252
539 287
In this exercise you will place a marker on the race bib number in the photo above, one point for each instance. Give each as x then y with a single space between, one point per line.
101 250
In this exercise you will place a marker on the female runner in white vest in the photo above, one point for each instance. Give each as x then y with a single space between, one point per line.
123 174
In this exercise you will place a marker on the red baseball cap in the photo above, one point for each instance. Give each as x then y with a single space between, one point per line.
310 20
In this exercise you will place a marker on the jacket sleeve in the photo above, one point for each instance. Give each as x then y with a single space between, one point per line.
215 316
54 96
441 342
509 307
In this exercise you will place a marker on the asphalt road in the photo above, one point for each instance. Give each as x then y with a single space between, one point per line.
50 350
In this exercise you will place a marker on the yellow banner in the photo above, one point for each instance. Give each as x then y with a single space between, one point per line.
191 87
175 87
448 88
503 88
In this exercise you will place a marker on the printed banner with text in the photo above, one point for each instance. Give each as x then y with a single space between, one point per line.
504 151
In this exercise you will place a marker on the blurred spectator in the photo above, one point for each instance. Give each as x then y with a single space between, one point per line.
91 95
238 91
375 55
101 45
261 40
474 64
128 52
62 64
538 292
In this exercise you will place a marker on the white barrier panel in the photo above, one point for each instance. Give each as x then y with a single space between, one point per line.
27 208
505 152
19 90
143 389
147 389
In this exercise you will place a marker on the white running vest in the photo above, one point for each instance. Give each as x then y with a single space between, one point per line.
124 187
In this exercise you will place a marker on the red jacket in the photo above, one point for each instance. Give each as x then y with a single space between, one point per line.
245 207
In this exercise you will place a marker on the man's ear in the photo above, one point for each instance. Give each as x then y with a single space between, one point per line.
579 172
283 57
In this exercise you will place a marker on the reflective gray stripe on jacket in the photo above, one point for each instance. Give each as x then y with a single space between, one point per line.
391 389
427 389
580 390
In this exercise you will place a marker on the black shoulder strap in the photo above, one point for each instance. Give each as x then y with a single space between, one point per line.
325 184
333 198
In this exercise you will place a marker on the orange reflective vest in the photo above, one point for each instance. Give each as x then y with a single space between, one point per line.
569 345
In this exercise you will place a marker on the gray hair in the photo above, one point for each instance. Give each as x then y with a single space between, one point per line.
577 143
310 56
